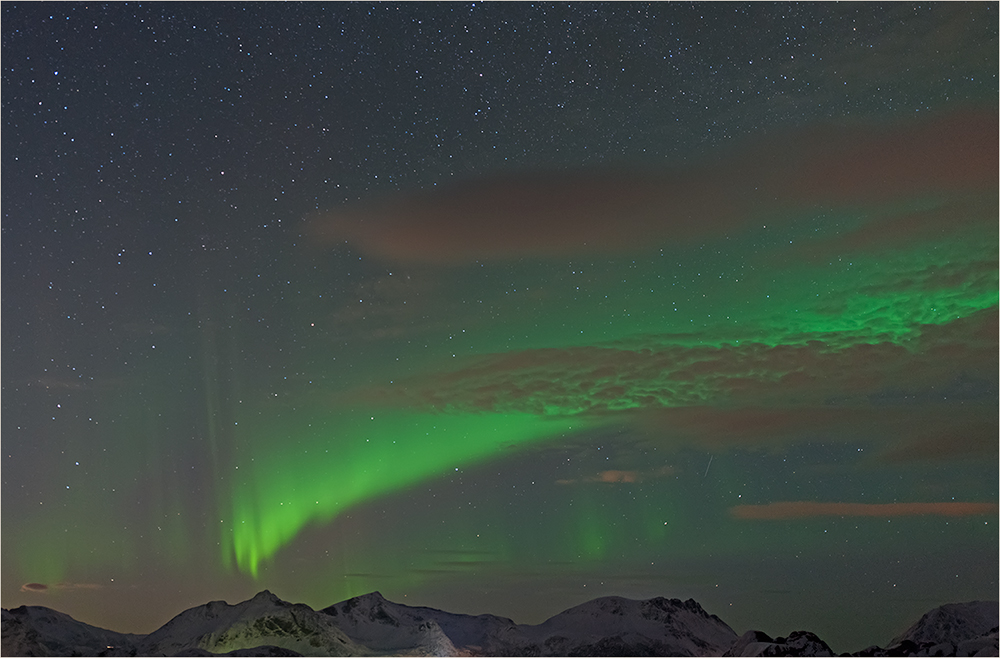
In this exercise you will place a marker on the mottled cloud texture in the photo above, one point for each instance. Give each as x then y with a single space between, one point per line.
650 374
877 329
951 157
744 394
808 509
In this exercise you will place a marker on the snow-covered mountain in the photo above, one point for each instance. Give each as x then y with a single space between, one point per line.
954 623
263 620
389 627
954 629
616 626
606 626
265 624
33 630
798 643
370 625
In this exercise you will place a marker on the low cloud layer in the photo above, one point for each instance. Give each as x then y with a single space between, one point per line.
808 509
618 476
34 587
41 588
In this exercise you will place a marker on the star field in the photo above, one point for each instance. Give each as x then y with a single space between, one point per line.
464 301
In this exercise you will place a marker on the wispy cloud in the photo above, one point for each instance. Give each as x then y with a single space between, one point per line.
42 588
618 476
809 509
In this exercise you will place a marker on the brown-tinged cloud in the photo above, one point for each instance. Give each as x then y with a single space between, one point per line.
808 509
968 437
41 588
899 228
559 214
65 585
34 587
899 433
618 476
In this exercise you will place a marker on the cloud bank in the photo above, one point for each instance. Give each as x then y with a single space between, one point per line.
561 214
808 509
650 375
41 588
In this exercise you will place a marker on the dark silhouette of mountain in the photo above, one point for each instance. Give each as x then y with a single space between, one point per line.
370 625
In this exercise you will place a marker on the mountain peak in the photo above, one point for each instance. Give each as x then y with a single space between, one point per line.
615 625
371 625
954 623
265 595
372 596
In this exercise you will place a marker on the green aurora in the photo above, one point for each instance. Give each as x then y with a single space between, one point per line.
336 463
498 308
727 347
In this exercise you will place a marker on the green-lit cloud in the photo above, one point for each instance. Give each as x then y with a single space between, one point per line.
861 263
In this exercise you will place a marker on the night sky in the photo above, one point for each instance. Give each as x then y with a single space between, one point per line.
501 307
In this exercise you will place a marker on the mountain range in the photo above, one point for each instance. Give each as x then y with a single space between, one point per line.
370 625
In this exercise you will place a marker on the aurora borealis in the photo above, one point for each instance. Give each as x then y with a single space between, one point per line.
502 307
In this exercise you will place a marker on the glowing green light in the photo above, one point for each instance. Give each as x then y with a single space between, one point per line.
634 352
312 474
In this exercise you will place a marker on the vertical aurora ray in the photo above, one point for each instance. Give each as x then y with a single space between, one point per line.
298 477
